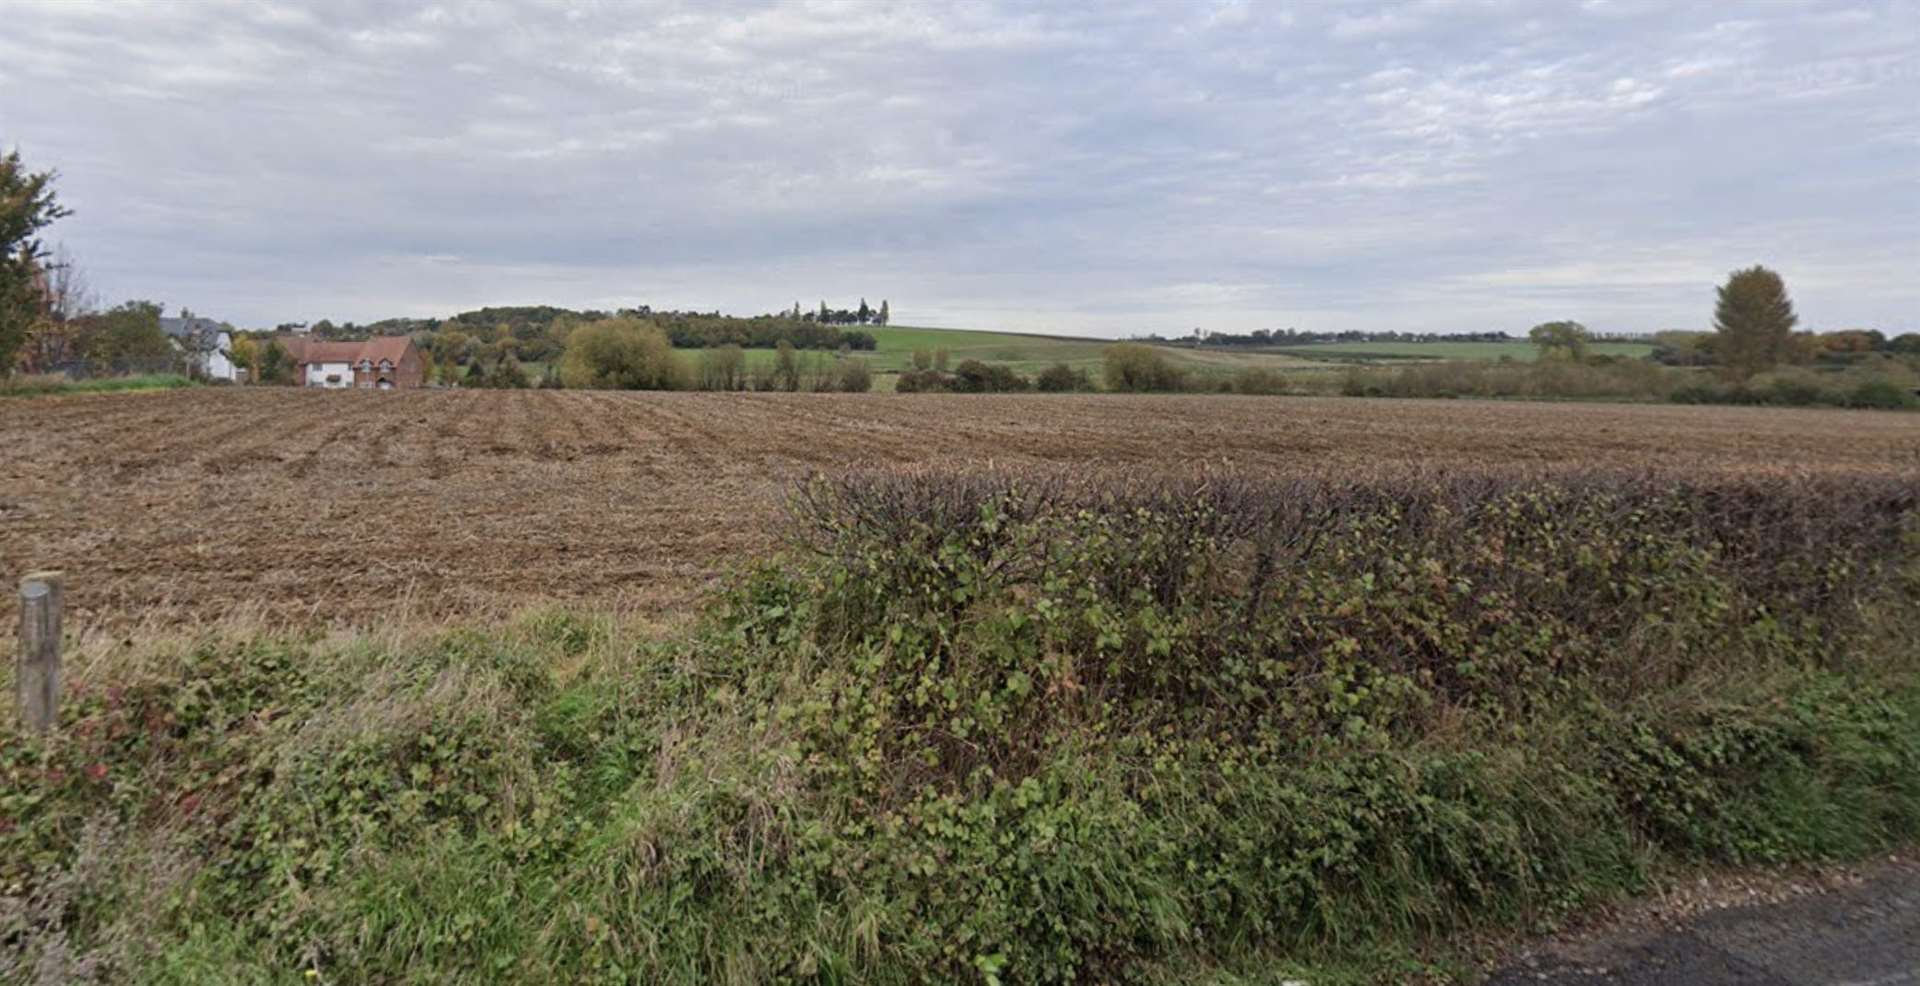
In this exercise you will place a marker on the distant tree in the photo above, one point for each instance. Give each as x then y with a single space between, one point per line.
125 338
975 377
27 206
864 314
825 315
276 364
246 355
1677 347
855 377
786 367
881 319
1853 341
53 337
1753 321
1061 378
723 368
1138 368
507 374
620 354
1908 344
1561 340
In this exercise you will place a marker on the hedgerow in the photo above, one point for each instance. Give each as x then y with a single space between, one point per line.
1012 728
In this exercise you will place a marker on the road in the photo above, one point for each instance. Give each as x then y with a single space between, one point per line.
1866 934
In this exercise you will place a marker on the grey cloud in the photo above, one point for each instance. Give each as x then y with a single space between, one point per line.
1101 168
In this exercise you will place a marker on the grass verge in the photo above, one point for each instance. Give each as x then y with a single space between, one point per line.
1010 728
42 385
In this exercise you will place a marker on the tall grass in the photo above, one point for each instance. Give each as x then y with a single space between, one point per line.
54 383
1009 728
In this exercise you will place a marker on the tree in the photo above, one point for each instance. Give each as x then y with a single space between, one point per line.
246 355
723 368
276 364
1061 378
52 339
1137 367
864 314
27 206
855 377
1561 340
881 319
786 367
125 338
620 354
1753 321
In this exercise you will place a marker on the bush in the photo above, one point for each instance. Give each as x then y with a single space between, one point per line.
855 377
723 368
1062 379
1258 380
620 354
975 377
923 382
1884 394
1011 728
1559 379
1133 367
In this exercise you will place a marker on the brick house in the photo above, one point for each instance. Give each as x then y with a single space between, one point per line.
379 363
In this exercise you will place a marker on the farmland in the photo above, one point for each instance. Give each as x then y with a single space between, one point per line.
356 507
1029 354
449 686
1369 352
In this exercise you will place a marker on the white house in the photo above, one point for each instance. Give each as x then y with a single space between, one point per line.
333 375
208 347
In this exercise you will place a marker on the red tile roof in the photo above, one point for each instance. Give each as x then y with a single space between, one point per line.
390 348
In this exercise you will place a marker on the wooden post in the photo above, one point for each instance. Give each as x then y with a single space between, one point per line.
38 676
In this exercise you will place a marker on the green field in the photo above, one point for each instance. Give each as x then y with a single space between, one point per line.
1029 354
1377 351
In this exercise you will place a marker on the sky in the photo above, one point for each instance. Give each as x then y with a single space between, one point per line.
1096 168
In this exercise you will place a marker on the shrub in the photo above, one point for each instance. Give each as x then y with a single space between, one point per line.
620 354
975 377
922 382
1258 380
1010 727
1559 379
1133 367
1884 394
723 368
1061 379
855 377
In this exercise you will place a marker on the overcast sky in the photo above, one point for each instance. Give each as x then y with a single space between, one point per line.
1097 168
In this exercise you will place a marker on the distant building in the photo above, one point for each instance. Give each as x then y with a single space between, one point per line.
208 346
379 363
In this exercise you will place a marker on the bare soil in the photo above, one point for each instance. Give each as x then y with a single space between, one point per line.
350 508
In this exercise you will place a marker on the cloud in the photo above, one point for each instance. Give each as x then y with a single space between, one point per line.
1110 169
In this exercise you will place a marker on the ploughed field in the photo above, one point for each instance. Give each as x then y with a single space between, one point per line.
356 507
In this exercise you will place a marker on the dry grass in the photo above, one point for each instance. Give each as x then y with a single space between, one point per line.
367 509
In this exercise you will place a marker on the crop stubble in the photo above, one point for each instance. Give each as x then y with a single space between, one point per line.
350 507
